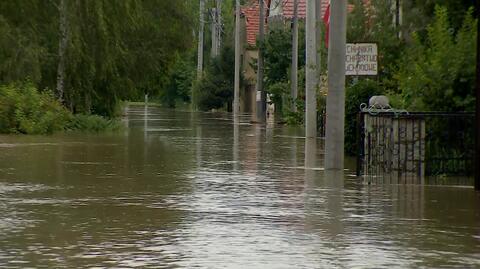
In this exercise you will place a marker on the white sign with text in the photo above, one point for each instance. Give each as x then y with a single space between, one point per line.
361 59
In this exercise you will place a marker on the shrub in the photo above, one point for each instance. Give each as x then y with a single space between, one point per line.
25 110
215 89
92 123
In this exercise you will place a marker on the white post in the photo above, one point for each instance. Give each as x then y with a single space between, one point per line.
236 95
311 75
334 140
294 72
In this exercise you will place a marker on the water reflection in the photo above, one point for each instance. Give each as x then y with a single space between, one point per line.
176 189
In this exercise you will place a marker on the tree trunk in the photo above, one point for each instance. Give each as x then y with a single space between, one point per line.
62 48
219 26
261 101
294 72
214 29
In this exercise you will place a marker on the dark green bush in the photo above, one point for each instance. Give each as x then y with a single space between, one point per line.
215 89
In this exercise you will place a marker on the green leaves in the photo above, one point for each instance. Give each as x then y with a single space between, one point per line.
116 49
438 73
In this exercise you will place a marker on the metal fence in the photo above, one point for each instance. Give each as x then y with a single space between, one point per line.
415 145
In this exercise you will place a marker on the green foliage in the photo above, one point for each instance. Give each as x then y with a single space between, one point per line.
215 88
277 49
117 50
356 95
25 110
180 82
438 74
92 124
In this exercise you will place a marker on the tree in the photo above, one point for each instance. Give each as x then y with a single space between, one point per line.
438 73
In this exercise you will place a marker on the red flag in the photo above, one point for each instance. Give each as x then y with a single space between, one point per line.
326 21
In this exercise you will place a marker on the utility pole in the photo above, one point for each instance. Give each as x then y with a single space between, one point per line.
294 72
335 133
200 40
261 94
477 110
318 33
311 74
236 94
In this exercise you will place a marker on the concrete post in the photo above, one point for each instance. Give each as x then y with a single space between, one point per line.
294 72
236 95
311 76
261 95
334 139
318 37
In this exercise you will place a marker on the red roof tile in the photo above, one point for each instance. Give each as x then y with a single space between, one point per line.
252 21
252 12
287 6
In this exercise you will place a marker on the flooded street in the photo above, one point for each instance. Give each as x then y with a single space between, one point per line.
192 190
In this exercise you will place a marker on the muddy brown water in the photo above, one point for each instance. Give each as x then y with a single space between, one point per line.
193 190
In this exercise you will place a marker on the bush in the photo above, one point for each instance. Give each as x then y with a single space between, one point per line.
438 73
92 123
25 110
215 89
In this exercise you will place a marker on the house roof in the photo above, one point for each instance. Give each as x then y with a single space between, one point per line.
252 20
284 8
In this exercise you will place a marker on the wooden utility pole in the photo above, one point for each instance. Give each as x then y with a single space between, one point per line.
62 49
477 110
200 40
261 94
294 72
236 94
335 133
311 73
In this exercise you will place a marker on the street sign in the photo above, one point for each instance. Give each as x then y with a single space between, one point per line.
361 59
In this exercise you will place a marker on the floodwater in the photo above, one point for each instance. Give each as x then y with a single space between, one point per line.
193 190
